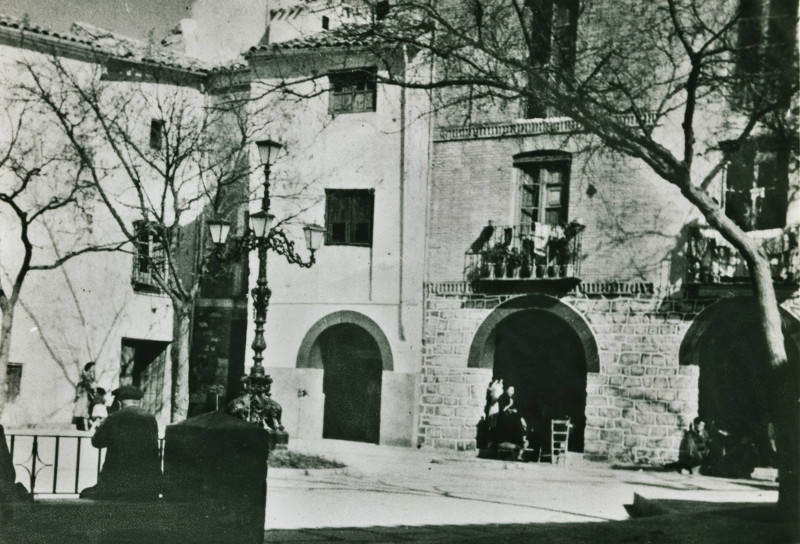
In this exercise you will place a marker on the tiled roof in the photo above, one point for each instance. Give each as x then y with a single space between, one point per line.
106 42
386 32
343 36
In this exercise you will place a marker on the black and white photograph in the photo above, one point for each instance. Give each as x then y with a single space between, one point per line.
482 271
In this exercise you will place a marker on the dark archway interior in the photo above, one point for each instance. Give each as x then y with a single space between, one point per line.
733 388
351 383
542 357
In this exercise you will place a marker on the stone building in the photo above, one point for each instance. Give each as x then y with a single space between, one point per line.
580 278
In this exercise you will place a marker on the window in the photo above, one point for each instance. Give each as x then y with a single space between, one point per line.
757 185
326 22
353 91
766 48
348 216
554 32
156 134
149 260
13 381
544 187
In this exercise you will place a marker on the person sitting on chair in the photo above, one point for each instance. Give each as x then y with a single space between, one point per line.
132 469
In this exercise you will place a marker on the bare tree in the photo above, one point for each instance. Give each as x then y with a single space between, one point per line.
38 182
158 153
663 82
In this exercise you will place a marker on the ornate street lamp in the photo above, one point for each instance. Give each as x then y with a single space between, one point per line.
262 237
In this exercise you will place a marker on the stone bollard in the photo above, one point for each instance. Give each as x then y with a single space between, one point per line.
216 465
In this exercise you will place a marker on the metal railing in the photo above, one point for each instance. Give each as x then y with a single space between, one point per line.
525 252
712 259
58 464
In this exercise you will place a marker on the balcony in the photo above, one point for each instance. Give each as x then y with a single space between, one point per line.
145 269
712 260
525 256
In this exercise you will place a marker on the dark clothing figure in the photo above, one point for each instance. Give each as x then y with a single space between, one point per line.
694 448
511 426
132 468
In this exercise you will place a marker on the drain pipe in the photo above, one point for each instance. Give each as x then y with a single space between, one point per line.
400 329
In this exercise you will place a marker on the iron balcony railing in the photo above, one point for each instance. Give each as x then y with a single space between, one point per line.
57 464
712 259
525 252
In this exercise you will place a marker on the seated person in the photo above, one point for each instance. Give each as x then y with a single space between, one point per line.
132 469
694 447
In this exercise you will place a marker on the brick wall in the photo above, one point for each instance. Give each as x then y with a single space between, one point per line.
634 220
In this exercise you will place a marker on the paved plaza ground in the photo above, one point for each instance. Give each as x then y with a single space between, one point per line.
406 495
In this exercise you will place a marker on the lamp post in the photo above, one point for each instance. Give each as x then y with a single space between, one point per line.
262 237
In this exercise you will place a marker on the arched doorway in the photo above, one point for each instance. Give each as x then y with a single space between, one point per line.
544 349
351 359
726 342
541 356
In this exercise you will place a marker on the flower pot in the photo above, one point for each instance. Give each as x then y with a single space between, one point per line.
510 271
552 271
540 270
570 271
484 271
498 270
525 271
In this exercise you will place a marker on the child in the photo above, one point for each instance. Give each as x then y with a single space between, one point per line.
98 411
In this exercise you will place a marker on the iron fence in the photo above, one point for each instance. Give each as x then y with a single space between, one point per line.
58 464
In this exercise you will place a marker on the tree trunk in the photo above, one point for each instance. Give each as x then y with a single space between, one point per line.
5 346
180 361
782 389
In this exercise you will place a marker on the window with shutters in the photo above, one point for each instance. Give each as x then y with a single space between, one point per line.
353 91
348 216
544 187
149 258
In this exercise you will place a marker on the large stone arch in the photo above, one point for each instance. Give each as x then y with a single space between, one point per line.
305 359
731 310
533 302
737 390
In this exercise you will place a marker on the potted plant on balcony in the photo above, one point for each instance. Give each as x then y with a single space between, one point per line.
513 263
526 267
495 258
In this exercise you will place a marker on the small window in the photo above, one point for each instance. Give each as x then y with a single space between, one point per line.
544 188
13 381
149 259
156 134
348 216
326 22
353 91
757 186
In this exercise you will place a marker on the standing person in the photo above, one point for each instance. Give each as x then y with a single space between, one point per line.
84 391
99 409
132 469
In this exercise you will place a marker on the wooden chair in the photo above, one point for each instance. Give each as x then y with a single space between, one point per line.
559 441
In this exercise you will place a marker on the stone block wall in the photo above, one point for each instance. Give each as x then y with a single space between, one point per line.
637 405
642 399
